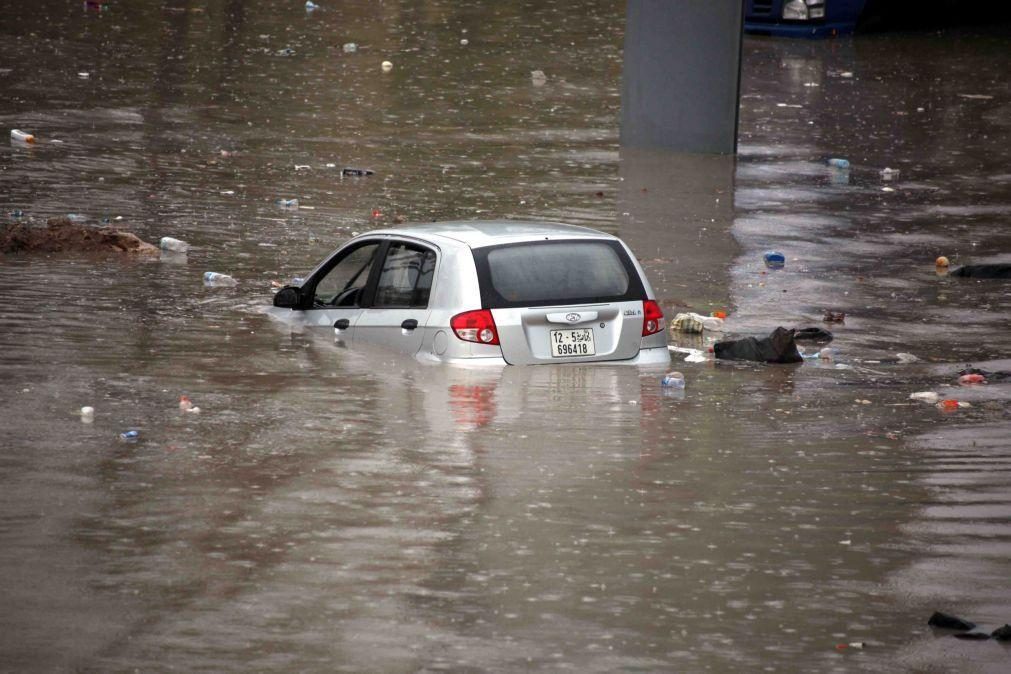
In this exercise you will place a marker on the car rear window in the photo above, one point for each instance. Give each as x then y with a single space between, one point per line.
543 273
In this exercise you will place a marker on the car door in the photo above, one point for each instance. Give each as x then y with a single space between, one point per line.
338 289
398 303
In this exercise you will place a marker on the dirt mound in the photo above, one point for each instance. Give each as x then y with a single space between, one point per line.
63 236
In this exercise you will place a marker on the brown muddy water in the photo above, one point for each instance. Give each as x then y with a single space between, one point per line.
336 510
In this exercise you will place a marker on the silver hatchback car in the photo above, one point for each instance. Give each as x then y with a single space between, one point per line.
485 292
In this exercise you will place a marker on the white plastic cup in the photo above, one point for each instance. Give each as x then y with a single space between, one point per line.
87 414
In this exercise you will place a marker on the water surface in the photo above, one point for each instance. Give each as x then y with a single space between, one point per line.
336 510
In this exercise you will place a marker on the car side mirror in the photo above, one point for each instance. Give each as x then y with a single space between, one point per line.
288 297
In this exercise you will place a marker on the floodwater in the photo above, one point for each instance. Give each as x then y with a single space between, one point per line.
345 510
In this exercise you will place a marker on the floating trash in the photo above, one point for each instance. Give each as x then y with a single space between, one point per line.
213 278
774 259
19 136
673 380
167 243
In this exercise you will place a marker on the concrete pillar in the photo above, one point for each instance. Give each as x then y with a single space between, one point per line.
682 74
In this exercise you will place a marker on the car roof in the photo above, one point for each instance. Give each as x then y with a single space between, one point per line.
481 233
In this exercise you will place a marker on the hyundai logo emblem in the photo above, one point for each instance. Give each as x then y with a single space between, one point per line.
572 318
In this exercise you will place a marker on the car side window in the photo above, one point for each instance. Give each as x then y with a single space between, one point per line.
406 278
343 285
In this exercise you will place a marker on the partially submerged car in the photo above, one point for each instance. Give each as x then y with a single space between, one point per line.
485 292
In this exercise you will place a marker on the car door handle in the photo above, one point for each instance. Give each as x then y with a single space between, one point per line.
409 324
342 324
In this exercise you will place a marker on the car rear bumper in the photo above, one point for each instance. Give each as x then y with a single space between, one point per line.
654 357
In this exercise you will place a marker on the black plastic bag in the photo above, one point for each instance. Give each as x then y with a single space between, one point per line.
984 271
778 347
1002 633
949 622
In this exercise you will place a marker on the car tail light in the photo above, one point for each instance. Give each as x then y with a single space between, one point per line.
475 326
652 318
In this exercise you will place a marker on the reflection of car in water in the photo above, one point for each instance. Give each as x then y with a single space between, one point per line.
485 293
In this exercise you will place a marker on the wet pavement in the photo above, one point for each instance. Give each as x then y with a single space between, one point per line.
345 510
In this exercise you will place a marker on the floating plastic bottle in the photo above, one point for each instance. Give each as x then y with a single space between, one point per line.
673 380
356 172
839 163
129 436
173 245
350 47
925 396
287 203
311 6
19 136
213 278
774 259
889 173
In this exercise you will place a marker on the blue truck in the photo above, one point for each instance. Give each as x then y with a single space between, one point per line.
802 18
826 18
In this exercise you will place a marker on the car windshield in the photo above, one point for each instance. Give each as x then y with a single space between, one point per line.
556 272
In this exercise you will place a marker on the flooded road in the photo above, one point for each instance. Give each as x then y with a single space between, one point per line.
346 510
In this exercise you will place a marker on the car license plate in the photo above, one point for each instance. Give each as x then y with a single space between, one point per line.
567 343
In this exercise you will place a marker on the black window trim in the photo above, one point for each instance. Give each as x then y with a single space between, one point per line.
490 299
308 289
